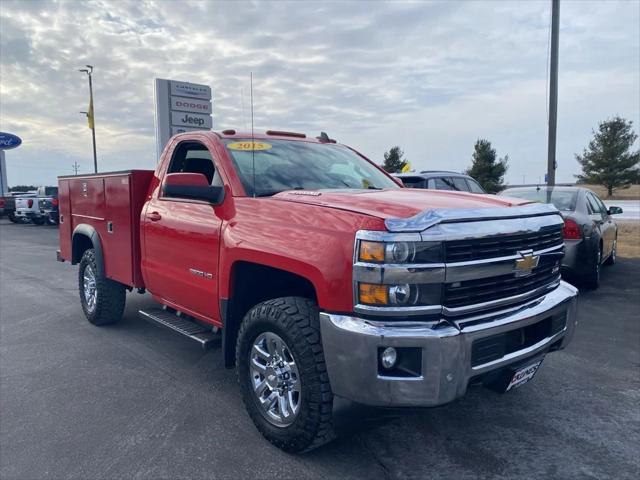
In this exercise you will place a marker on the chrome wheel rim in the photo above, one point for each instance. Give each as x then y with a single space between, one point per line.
275 379
89 288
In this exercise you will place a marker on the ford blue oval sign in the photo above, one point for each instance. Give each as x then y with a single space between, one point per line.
9 141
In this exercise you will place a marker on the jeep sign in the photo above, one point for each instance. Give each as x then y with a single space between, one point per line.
186 119
180 106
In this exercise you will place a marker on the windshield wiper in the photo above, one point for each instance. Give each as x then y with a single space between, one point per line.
274 192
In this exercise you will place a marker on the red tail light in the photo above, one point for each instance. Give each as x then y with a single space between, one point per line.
1 202
30 203
571 230
54 202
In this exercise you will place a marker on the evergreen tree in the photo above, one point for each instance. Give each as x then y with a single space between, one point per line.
609 160
393 162
486 168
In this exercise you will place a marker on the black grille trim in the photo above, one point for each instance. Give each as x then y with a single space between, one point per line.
471 292
495 347
503 245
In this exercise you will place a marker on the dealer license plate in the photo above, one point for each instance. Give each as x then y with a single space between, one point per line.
524 374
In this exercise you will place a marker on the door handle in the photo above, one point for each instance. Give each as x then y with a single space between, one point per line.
154 216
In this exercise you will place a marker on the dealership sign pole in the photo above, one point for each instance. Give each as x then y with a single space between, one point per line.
7 142
180 107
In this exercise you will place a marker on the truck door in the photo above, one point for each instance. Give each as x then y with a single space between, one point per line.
182 238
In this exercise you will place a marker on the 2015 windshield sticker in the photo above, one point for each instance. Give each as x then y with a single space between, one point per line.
248 146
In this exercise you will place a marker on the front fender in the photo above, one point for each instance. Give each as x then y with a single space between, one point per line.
311 241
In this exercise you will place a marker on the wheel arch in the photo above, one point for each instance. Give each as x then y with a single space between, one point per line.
83 238
250 284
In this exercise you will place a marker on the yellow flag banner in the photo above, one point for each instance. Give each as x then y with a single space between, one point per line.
90 114
406 168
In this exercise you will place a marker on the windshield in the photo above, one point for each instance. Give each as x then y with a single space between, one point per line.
296 165
563 200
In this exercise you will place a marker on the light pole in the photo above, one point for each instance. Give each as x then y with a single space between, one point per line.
90 116
553 93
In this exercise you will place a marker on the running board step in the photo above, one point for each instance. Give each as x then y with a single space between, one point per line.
183 325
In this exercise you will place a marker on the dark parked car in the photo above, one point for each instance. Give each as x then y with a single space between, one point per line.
440 181
590 234
7 206
48 204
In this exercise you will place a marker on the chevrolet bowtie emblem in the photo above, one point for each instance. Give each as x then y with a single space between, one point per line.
526 263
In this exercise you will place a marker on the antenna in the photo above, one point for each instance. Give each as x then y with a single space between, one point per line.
253 141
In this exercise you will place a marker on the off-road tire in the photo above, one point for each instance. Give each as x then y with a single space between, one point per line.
592 279
611 259
111 296
296 321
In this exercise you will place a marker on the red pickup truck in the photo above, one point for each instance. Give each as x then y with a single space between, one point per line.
321 274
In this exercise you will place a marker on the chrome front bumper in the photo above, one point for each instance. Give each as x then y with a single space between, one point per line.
351 346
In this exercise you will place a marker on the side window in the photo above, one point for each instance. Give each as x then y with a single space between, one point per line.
414 182
474 187
592 205
460 184
601 206
442 183
193 157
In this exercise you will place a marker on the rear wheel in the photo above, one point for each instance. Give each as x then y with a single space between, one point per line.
102 299
282 374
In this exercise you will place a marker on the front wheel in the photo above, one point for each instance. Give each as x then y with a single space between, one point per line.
592 280
611 259
282 374
102 299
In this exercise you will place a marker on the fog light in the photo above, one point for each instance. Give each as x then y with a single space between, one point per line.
388 357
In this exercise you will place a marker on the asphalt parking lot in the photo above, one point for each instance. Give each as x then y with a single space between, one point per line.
136 401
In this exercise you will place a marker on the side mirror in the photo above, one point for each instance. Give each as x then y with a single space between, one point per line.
614 210
193 186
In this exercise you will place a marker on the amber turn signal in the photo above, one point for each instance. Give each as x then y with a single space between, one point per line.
371 294
371 251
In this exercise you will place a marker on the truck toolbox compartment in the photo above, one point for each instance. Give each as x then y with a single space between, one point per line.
111 203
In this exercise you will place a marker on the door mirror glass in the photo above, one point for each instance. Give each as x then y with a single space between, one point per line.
614 210
194 186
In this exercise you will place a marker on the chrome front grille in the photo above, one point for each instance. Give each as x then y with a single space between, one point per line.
502 246
491 259
483 290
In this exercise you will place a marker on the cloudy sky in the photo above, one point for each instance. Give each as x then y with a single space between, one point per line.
431 77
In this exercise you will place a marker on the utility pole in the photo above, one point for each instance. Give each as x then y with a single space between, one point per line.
76 167
553 93
90 115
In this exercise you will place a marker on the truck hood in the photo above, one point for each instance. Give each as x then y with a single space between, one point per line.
396 203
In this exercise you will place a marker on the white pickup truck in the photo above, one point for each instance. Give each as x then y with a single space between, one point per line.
27 209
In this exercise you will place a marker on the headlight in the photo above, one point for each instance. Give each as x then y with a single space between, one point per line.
399 252
403 295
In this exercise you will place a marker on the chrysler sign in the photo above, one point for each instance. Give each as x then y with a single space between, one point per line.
184 89
180 107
